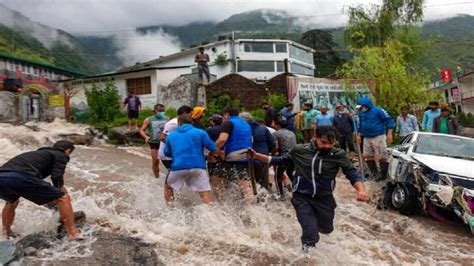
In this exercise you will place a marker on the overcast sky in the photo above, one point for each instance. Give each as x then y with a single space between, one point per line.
96 17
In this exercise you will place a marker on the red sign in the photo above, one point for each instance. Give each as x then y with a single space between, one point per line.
446 75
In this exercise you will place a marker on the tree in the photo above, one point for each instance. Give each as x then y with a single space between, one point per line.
326 59
386 71
68 92
375 25
103 101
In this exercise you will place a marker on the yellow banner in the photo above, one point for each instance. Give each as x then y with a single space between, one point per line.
56 100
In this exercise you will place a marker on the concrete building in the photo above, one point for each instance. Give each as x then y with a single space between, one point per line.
31 90
466 91
256 60
17 72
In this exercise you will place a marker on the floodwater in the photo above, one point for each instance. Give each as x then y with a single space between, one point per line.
116 189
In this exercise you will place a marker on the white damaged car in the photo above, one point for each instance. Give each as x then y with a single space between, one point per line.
434 174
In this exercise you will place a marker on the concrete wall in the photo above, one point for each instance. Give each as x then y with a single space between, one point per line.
9 112
466 88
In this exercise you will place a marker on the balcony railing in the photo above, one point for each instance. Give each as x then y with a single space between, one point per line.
468 94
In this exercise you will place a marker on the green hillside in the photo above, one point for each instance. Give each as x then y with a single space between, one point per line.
25 46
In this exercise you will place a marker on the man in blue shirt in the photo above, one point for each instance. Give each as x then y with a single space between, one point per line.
323 119
406 123
429 116
287 114
186 146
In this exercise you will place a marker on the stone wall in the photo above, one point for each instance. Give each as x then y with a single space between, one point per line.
8 107
181 91
247 91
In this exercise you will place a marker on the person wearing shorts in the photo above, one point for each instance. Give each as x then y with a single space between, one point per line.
151 131
376 126
186 146
235 138
22 176
133 104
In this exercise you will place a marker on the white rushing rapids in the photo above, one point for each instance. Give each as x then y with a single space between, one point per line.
117 191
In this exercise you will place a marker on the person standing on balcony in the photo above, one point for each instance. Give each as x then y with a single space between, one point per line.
202 60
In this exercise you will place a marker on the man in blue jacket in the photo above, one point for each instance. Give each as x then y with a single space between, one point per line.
316 166
376 126
186 146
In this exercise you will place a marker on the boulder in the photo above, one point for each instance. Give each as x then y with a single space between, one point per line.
78 139
108 249
122 136
8 107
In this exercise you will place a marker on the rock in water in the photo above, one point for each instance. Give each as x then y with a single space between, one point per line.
78 139
9 252
121 136
108 249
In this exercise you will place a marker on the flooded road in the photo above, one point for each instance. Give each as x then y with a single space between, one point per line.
116 189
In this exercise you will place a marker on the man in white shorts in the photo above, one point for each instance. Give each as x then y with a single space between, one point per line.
186 146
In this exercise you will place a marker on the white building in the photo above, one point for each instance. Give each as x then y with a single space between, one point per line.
258 60
254 59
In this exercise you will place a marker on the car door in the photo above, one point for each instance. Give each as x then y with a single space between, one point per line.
396 156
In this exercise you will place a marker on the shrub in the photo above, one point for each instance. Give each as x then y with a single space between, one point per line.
171 113
103 101
278 101
466 120
258 114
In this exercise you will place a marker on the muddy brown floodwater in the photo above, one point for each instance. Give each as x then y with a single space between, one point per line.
116 189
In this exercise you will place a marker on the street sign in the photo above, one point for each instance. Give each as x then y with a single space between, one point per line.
56 100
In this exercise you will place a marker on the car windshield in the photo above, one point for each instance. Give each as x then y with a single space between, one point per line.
445 145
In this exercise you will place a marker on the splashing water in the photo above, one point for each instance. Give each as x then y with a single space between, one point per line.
116 189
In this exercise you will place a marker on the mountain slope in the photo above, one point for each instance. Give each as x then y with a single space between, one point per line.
31 40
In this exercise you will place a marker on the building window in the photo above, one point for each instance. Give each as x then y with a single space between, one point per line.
280 48
280 66
258 47
139 86
301 55
35 71
256 66
302 70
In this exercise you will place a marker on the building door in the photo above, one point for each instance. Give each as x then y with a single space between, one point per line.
34 107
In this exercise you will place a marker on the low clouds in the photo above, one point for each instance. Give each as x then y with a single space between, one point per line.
135 47
101 17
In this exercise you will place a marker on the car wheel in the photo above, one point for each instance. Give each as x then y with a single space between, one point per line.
387 195
404 198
